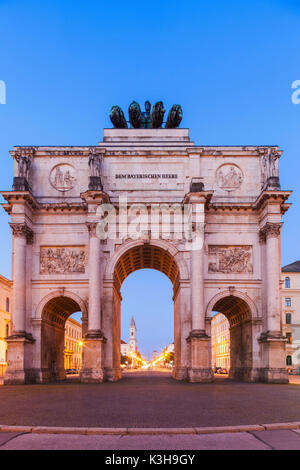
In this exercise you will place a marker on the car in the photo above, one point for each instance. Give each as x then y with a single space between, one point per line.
69 371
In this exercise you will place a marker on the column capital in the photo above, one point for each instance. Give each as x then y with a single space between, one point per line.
269 230
95 197
92 228
200 197
23 231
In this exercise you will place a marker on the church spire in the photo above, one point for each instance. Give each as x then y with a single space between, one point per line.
132 324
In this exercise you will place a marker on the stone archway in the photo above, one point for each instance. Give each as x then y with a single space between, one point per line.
129 258
241 314
53 312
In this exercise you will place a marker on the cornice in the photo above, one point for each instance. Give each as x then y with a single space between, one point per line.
271 197
19 197
57 207
227 206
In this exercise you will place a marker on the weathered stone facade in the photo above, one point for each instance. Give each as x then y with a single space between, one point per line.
60 265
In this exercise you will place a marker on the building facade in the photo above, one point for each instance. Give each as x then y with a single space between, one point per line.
5 324
68 256
291 313
73 344
220 341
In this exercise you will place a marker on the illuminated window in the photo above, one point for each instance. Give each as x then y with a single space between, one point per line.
289 338
287 283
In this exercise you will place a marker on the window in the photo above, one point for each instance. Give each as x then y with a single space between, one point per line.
288 302
7 329
7 304
288 360
288 318
289 338
287 283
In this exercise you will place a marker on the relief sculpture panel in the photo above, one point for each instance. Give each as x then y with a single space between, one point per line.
230 259
62 260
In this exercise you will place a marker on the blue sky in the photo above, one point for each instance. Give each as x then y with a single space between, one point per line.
229 64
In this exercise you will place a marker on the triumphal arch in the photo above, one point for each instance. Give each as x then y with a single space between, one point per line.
84 218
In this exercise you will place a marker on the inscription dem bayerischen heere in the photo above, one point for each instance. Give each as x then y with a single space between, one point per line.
142 176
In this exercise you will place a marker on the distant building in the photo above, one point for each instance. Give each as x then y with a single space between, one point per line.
124 348
220 341
131 346
5 320
170 348
154 355
290 298
73 348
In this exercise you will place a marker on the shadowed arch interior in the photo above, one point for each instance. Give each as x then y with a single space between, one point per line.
58 309
234 308
146 256
238 313
54 316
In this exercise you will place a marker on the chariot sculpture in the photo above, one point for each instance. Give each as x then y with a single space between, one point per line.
149 119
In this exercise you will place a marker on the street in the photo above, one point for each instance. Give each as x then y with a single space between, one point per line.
149 400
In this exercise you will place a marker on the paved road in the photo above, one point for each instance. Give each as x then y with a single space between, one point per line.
149 399
260 440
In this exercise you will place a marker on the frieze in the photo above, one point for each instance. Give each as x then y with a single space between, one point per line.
65 152
62 260
230 259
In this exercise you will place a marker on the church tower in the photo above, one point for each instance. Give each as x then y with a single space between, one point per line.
132 336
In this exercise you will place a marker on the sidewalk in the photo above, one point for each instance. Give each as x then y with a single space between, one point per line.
251 440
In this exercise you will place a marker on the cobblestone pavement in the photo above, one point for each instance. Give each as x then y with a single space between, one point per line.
149 400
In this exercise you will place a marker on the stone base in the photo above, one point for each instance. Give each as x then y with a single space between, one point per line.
20 184
200 375
179 373
273 358
274 376
245 374
19 351
272 184
200 364
95 183
92 358
112 375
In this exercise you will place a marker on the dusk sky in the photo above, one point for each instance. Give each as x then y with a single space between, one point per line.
230 65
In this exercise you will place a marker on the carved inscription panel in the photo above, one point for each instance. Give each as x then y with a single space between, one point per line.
230 259
62 260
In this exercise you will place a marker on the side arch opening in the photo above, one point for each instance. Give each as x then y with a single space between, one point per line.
232 339
61 350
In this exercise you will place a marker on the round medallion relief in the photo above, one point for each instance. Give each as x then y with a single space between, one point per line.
62 177
229 177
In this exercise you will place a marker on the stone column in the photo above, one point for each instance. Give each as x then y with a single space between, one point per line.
199 342
272 340
18 371
93 350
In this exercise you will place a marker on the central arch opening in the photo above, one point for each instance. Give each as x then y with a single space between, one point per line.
145 258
